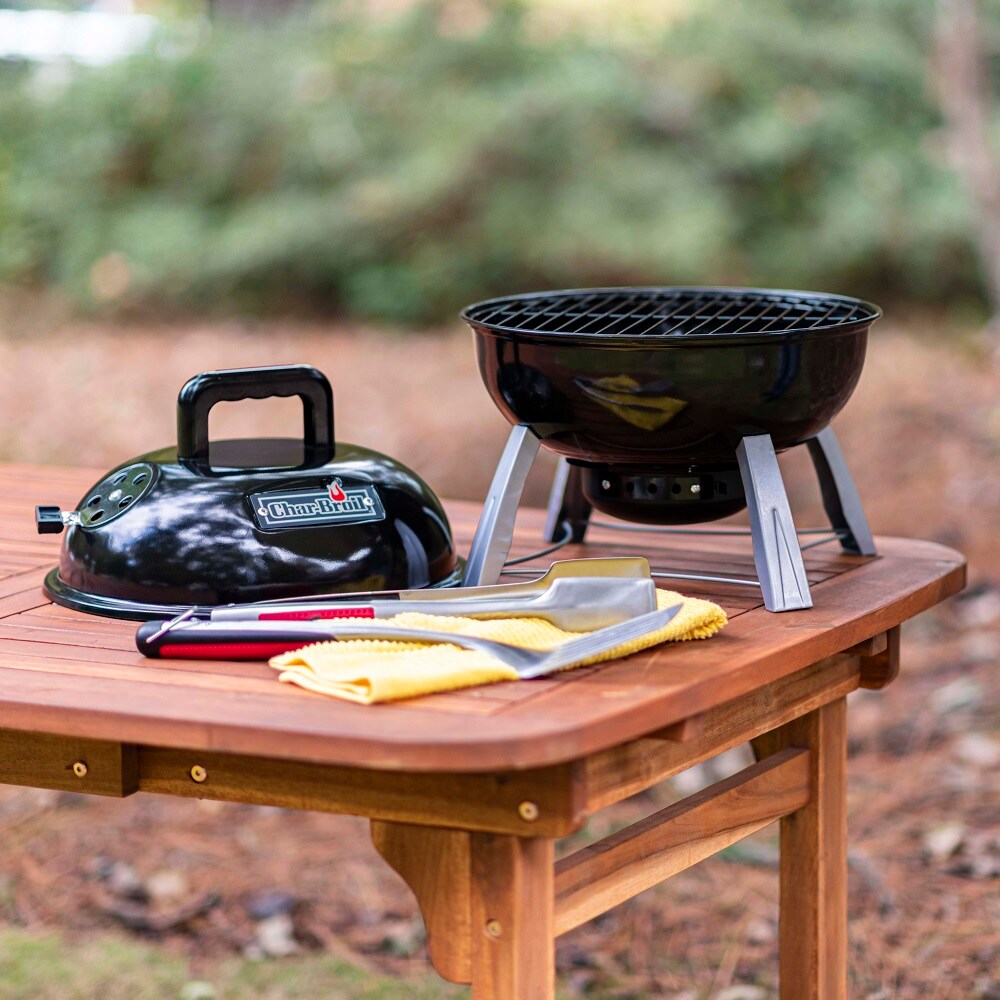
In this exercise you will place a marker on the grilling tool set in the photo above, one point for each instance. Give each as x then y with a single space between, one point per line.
259 640
667 407
253 631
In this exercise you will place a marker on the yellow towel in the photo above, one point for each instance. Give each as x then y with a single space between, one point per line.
374 670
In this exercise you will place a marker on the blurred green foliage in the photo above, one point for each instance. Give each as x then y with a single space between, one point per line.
396 168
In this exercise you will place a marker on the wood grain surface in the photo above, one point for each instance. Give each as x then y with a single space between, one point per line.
77 675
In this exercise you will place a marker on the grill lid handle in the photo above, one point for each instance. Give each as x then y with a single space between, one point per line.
201 393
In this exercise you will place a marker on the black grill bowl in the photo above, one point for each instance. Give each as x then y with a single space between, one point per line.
654 377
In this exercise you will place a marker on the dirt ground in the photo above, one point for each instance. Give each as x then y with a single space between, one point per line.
923 437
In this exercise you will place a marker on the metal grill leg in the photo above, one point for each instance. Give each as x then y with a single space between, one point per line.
840 495
495 531
567 504
776 549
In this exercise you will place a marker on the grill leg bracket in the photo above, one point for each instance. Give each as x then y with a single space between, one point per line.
495 531
840 495
567 504
777 554
776 551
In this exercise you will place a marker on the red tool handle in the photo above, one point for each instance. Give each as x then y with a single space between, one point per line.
223 644
305 616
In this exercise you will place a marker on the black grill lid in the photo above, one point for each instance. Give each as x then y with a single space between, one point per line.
209 523
694 315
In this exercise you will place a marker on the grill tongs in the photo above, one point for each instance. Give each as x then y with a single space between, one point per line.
574 594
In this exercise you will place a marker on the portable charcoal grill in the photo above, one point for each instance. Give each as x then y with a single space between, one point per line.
668 407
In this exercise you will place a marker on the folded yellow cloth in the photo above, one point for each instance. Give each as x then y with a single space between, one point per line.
374 670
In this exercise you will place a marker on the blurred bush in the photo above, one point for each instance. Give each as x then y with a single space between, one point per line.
397 168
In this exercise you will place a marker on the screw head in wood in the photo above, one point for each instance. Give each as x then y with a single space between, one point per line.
493 929
198 773
80 769
528 811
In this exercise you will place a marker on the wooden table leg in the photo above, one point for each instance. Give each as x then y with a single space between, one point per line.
813 922
513 935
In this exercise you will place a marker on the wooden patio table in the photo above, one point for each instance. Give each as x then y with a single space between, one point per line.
469 791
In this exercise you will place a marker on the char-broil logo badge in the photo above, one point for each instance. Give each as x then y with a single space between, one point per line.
333 504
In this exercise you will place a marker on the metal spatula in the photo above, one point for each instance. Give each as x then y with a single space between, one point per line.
259 640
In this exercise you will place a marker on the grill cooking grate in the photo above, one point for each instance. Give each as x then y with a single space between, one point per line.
669 312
